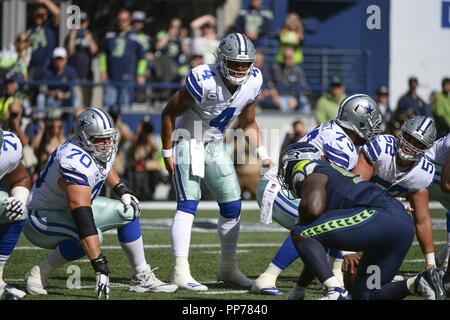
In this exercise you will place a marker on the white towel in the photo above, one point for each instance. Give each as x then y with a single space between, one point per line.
197 158
270 192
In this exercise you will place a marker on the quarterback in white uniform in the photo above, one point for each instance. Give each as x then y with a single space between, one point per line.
399 166
65 213
12 208
338 142
214 95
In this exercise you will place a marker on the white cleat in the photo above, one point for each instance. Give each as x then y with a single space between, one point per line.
297 293
339 275
429 284
233 276
265 284
335 293
185 281
35 281
147 281
8 292
442 259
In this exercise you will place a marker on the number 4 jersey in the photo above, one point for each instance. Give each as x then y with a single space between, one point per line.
387 174
70 162
215 107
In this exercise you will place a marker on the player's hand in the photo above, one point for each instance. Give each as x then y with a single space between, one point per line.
170 167
267 163
130 200
15 208
351 262
101 276
102 285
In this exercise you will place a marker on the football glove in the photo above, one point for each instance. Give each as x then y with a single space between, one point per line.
14 208
101 276
128 198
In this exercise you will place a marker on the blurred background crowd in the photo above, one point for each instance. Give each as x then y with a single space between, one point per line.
127 59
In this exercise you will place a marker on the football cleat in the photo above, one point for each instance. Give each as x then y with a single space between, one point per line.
335 293
147 281
442 259
8 292
35 281
428 283
297 293
265 284
233 276
185 281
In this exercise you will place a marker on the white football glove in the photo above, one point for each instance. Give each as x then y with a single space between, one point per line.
130 200
14 208
101 285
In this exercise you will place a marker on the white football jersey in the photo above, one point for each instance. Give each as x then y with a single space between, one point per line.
333 143
215 106
381 152
440 151
11 153
70 162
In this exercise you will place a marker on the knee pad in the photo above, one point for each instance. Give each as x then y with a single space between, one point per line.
230 210
129 232
188 206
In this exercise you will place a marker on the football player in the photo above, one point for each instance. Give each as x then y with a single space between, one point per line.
440 191
398 165
338 141
13 211
66 215
214 95
340 210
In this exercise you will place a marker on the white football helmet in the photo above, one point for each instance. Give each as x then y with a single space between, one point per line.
419 130
236 50
95 123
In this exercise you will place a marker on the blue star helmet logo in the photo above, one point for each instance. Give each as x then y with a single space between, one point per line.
84 123
369 111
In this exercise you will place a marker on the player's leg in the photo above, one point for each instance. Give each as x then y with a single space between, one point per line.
222 181
109 214
284 211
187 188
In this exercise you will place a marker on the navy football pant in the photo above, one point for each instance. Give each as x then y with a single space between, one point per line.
384 239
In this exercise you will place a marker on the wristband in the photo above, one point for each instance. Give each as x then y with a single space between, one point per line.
121 188
166 153
100 264
262 153
429 258
20 193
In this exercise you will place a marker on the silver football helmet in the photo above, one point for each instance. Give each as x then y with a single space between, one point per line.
290 156
93 124
360 113
417 135
234 52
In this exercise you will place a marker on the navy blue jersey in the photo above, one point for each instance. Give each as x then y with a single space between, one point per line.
344 189
123 51
66 79
42 41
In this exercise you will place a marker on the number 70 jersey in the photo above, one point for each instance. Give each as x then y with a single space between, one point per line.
215 107
70 162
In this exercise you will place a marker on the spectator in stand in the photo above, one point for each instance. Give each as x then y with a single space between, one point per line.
9 96
47 139
291 34
328 104
298 131
124 136
291 75
16 56
194 60
122 59
268 98
255 22
173 42
441 109
382 99
138 23
81 48
144 166
43 37
204 40
60 92
410 102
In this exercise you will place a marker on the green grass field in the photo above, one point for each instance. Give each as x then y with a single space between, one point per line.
256 248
